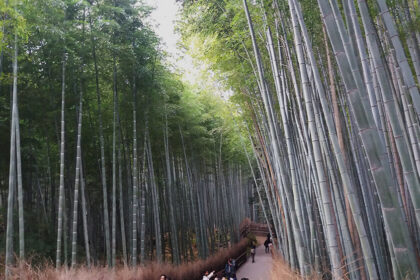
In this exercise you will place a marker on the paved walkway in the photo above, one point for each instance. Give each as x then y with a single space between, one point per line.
260 269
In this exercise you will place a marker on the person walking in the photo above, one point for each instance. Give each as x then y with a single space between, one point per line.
270 246
253 252
266 244
207 275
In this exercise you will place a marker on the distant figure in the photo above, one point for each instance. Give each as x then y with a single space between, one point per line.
270 246
163 277
230 269
253 252
207 275
266 244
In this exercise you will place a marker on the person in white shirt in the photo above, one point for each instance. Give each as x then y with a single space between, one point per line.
208 276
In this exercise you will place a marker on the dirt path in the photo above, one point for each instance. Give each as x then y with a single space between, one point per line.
260 269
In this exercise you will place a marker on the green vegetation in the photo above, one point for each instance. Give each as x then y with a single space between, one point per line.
333 116
115 159
104 53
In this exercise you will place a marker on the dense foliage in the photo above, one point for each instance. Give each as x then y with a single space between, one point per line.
330 93
321 131
188 156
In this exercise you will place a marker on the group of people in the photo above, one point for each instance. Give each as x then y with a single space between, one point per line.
230 267
228 274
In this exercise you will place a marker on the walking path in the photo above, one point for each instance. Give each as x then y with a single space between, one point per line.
260 269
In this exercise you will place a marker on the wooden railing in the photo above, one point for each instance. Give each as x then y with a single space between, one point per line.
257 229
239 261
246 228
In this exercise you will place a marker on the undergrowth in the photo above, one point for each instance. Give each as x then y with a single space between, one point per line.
282 270
191 271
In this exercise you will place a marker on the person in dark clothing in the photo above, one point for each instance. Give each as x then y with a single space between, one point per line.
230 270
253 252
266 244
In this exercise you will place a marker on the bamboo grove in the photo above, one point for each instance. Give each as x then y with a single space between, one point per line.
329 91
113 159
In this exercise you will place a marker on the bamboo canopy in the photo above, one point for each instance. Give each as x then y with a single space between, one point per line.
319 137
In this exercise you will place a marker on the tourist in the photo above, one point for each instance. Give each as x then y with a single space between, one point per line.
233 261
207 275
230 269
253 251
266 244
270 246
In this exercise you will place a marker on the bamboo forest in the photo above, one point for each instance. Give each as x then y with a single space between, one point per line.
292 125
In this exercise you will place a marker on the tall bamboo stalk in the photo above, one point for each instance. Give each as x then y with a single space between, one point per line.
76 184
102 148
114 170
135 183
61 187
373 145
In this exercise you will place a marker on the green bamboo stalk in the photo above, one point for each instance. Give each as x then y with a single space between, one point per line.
402 61
373 146
135 182
76 183
84 215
